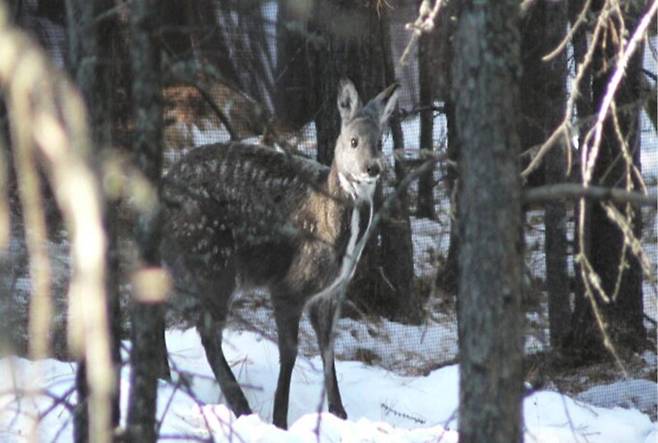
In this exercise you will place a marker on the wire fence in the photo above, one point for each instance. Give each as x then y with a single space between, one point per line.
405 349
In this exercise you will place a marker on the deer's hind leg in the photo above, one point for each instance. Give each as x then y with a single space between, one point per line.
215 304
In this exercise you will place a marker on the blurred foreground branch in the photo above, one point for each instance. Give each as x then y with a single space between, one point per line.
49 129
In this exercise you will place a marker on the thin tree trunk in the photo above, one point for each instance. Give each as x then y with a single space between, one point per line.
446 277
555 219
486 74
584 109
397 246
291 94
148 353
90 58
543 99
335 54
623 315
425 82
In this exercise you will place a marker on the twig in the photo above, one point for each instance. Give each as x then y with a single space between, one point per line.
630 240
423 24
4 204
58 400
613 84
216 109
579 21
403 114
395 412
650 74
564 128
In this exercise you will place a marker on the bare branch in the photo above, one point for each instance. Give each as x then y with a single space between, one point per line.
617 76
217 110
579 21
22 68
4 205
424 23
573 191
564 128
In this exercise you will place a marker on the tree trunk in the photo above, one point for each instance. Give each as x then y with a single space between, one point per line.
584 109
446 277
623 315
396 250
90 57
486 75
555 218
292 69
426 99
543 100
148 354
336 53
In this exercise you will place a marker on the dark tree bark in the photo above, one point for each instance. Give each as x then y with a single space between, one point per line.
486 74
623 315
191 31
148 354
426 99
90 58
555 249
584 109
396 250
354 42
210 41
342 49
543 100
242 24
291 94
55 10
176 36
446 277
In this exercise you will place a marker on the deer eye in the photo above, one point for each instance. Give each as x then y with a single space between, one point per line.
354 142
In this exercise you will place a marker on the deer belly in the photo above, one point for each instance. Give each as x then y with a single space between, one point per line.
263 264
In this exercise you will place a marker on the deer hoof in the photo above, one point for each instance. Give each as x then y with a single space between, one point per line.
338 411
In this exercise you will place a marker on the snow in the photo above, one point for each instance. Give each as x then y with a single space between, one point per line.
383 406
638 394
430 239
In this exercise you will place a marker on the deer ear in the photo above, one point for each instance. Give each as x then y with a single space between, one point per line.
385 103
348 100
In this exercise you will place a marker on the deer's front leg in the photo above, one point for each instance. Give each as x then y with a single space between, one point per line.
321 311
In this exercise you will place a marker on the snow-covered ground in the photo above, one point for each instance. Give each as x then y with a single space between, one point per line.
383 407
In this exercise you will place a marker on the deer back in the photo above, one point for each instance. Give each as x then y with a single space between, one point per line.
249 207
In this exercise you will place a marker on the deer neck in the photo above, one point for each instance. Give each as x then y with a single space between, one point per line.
344 210
327 212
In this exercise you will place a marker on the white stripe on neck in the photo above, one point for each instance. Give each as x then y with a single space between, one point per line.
350 256
347 185
359 190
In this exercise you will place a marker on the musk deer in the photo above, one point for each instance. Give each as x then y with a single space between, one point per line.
241 215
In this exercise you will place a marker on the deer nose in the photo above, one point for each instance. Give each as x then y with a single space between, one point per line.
374 169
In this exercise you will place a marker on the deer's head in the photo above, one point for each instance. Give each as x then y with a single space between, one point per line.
358 156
